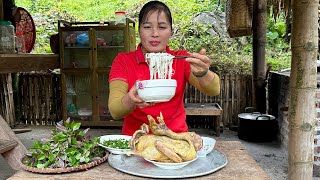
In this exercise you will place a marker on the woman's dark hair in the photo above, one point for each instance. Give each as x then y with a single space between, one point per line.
152 6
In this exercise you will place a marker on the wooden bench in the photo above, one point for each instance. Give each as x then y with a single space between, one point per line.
205 109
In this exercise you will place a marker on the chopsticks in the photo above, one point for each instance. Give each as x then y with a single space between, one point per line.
181 57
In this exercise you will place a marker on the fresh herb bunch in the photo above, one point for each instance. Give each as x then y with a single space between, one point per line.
68 147
117 143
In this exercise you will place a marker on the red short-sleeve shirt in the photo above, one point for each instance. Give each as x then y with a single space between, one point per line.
130 67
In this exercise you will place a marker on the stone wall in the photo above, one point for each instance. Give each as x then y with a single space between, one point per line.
278 99
317 136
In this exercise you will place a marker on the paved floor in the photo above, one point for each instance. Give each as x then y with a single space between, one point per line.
270 156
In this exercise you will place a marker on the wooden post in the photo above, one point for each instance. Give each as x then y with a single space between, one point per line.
1 10
259 60
302 112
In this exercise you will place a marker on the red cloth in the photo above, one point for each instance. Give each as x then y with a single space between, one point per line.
130 67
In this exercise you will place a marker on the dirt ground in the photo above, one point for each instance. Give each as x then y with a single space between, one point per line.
270 156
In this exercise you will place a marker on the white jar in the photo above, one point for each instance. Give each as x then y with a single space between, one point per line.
7 40
120 18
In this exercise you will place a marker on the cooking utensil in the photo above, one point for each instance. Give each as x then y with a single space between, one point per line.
257 127
181 57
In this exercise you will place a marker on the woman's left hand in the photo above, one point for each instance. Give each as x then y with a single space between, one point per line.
199 63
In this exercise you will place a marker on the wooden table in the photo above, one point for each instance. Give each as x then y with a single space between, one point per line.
241 166
205 109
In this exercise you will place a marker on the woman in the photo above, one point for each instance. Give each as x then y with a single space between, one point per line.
155 29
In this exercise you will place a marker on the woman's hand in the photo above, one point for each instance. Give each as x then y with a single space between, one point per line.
199 63
132 99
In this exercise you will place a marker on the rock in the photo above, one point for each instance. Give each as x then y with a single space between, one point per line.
214 20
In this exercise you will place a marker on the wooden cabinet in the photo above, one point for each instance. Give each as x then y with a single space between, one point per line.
87 50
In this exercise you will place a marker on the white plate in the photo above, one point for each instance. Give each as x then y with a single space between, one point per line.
165 165
136 165
114 137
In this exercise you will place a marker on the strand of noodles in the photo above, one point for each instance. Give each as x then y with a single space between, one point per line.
160 65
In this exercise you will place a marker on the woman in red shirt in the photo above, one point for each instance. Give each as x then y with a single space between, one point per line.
155 29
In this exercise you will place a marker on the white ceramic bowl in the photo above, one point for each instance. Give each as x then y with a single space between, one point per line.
208 145
157 90
114 137
164 165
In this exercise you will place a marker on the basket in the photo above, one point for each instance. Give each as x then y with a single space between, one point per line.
239 17
65 170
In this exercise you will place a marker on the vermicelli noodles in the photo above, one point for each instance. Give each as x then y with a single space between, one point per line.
160 65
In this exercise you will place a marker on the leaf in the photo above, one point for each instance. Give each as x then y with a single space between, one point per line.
82 159
272 35
46 147
68 120
72 160
60 137
62 128
51 157
75 126
36 145
78 156
40 165
70 151
86 130
74 141
41 157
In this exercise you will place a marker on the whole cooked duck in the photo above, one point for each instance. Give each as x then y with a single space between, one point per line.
164 145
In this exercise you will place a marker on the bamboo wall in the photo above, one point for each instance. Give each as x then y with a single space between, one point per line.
235 96
7 110
39 100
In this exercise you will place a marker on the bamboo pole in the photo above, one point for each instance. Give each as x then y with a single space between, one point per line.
302 114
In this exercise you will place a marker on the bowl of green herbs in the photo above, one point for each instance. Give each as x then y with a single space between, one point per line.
116 144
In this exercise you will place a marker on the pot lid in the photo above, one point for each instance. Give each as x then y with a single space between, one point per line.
256 116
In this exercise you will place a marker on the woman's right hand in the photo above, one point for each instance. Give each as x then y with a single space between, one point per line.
132 99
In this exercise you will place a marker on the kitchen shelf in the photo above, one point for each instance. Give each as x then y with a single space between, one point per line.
85 69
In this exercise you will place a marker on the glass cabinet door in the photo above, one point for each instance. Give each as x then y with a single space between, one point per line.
109 43
78 96
77 51
103 94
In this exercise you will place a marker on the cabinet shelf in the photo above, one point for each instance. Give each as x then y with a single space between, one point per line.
109 47
76 47
85 69
86 47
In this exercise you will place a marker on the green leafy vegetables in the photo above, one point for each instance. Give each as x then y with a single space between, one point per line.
117 143
68 147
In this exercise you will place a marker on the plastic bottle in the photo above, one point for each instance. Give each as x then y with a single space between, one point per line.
7 40
120 17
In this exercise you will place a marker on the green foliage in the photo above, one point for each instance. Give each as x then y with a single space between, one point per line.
68 147
276 30
187 35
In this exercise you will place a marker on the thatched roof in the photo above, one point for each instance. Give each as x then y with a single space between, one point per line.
278 6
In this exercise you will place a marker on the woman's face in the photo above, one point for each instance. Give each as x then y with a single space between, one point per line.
155 33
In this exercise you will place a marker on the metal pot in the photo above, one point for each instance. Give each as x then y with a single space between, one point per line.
258 127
